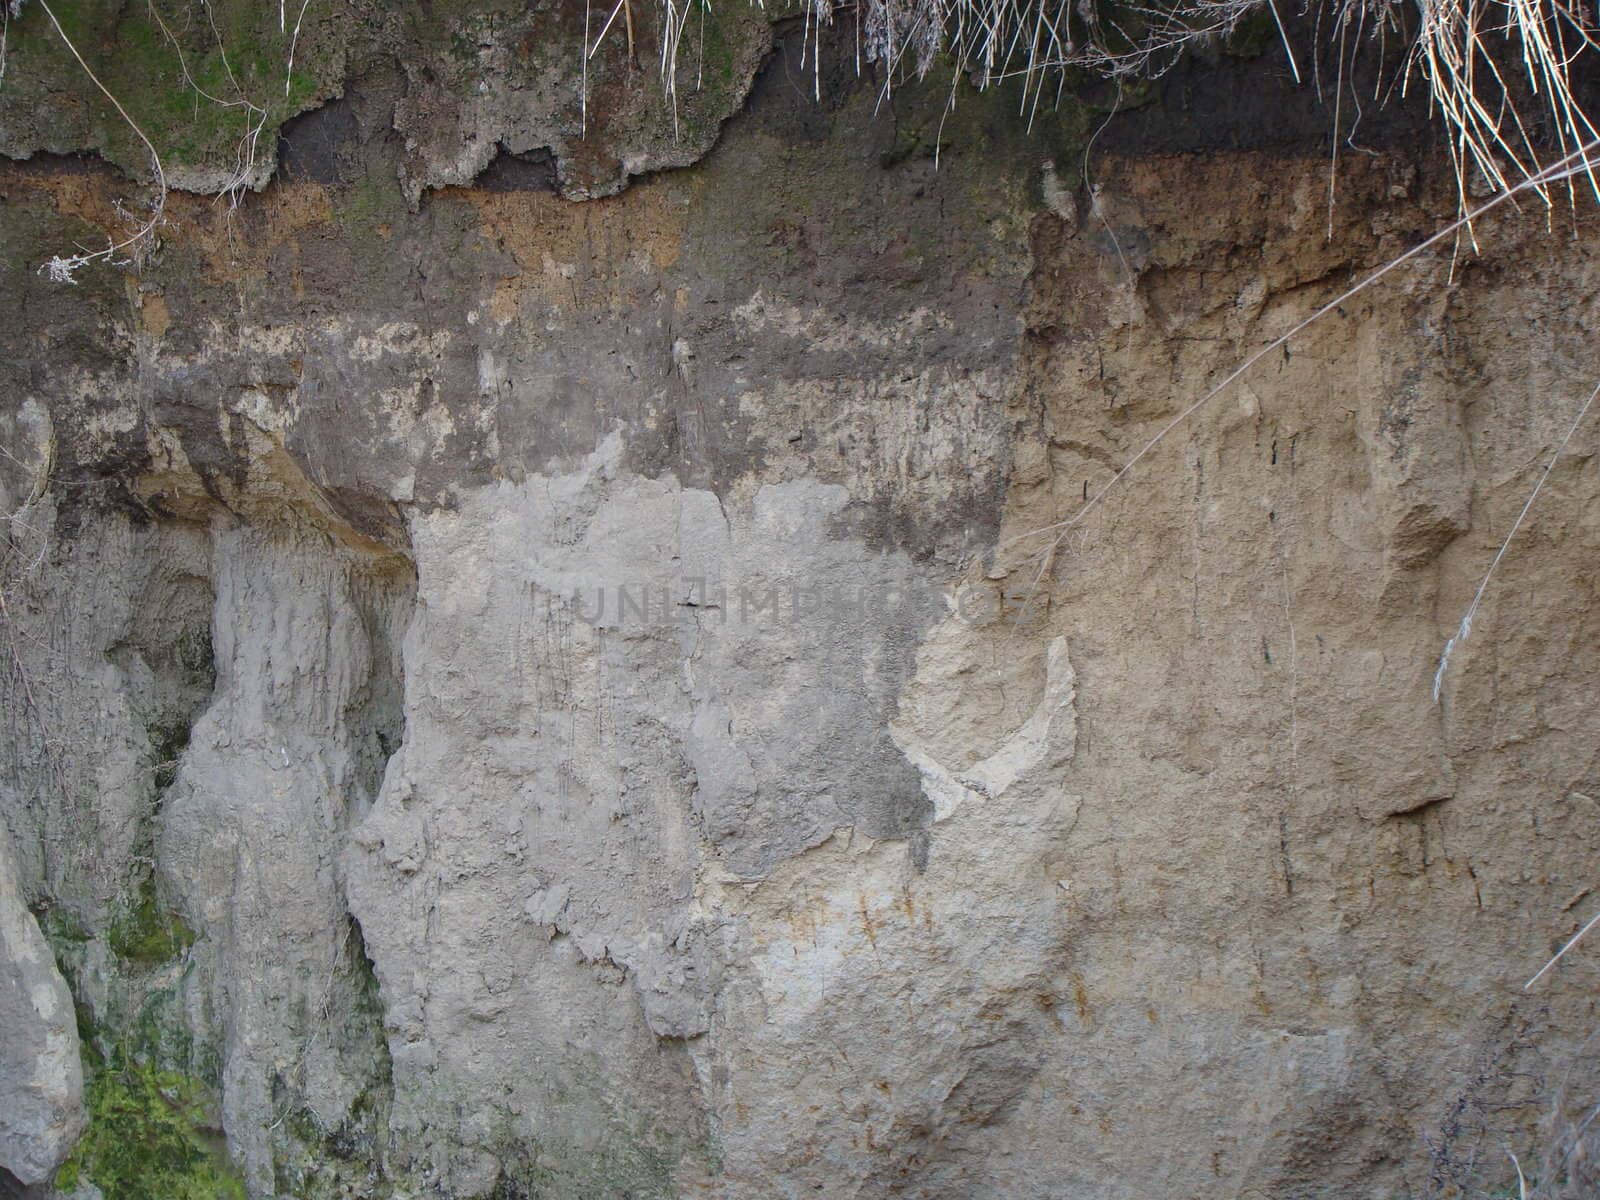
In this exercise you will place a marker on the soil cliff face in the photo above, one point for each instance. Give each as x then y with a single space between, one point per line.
517 697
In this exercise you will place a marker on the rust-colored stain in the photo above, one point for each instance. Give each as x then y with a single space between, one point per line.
802 922
866 919
1080 997
602 254
245 241
154 315
1047 1004
230 240
76 194
503 304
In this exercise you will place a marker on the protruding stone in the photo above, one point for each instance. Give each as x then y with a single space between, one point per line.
41 1078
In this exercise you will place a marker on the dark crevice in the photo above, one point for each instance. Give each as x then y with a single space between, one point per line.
321 146
529 171
384 600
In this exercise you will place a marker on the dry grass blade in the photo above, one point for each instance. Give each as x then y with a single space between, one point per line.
1462 50
1459 52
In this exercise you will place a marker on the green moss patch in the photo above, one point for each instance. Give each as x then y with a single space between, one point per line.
318 1159
149 1138
208 84
143 932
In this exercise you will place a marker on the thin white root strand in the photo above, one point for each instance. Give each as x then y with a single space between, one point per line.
62 270
1522 1182
1576 938
1472 609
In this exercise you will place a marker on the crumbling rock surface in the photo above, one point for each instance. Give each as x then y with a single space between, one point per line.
597 700
212 86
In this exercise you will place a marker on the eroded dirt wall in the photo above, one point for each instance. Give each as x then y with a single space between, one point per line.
525 698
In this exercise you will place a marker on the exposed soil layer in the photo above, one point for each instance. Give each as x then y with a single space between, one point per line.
515 697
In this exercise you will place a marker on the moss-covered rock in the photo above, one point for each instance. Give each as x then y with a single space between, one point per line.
145 933
209 85
150 1137
316 1155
